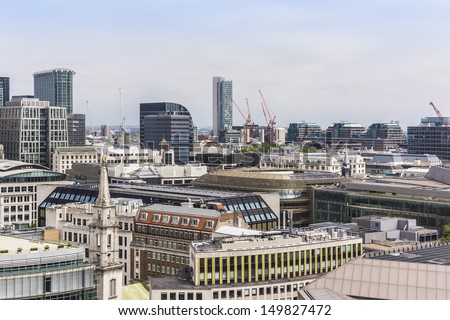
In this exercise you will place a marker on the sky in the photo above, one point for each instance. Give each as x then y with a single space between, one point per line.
314 61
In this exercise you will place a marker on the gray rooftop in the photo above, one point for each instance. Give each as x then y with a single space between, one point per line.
435 255
162 208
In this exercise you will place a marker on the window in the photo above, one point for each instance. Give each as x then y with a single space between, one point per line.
194 222
209 224
156 218
144 215
48 284
165 219
185 221
112 288
175 220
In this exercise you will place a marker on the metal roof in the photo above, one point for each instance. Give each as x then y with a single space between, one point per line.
135 291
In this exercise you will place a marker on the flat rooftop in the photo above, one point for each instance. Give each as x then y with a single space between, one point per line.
11 244
174 283
274 239
435 255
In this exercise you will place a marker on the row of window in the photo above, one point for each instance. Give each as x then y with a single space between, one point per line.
18 189
167 258
16 218
165 244
76 237
171 233
175 220
14 209
77 157
261 291
162 269
251 268
181 296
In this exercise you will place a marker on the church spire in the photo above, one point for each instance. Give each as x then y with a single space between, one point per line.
104 197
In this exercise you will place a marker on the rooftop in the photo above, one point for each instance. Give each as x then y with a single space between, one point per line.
434 255
54 70
271 239
174 283
198 212
12 243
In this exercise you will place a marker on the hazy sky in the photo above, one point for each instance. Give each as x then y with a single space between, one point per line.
317 61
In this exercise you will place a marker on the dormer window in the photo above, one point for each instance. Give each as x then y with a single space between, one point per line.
175 220
194 222
209 224
143 216
165 219
156 217
185 221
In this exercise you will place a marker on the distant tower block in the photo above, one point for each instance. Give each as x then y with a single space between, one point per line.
105 132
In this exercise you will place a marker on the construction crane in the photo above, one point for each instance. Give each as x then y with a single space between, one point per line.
270 120
248 122
440 117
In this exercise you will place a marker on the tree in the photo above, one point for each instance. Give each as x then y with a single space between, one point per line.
446 232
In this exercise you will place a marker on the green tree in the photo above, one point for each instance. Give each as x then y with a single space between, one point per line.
446 232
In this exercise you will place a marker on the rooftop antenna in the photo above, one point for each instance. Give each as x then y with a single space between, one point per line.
122 125
90 117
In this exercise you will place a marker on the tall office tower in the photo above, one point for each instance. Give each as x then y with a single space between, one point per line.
4 91
56 87
30 129
76 129
430 137
222 105
169 121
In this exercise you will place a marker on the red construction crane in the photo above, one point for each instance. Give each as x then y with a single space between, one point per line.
440 117
248 123
269 120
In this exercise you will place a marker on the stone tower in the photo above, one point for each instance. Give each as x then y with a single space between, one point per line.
103 247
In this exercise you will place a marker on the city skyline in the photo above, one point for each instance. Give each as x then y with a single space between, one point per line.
320 63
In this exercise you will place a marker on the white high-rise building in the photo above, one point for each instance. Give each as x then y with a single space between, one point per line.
31 129
222 105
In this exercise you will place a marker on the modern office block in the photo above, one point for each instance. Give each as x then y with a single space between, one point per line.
169 121
270 266
222 105
76 129
430 137
19 194
55 86
298 131
31 129
31 270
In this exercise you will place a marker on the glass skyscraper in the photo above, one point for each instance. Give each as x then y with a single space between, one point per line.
169 121
222 105
430 137
55 86
4 91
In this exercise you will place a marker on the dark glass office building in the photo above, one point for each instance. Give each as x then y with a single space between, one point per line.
4 91
76 129
430 137
169 121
